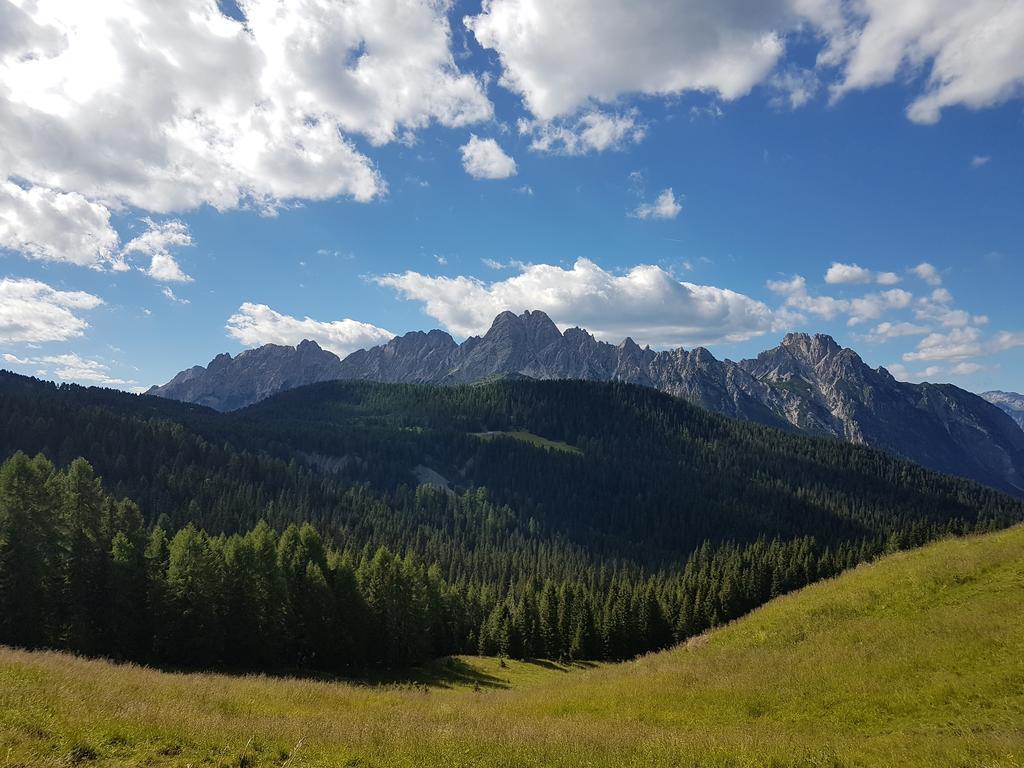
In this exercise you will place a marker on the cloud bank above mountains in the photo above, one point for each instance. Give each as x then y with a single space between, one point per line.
119 119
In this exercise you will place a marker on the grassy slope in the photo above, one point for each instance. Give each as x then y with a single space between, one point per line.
915 660
530 439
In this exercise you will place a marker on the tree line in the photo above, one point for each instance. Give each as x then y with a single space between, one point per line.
81 570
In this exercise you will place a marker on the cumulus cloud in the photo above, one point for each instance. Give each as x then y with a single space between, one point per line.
71 366
969 53
957 344
979 160
928 273
562 57
156 243
563 54
167 106
889 330
799 299
256 324
594 131
847 273
873 305
870 306
46 224
646 303
965 369
485 159
665 206
841 274
33 312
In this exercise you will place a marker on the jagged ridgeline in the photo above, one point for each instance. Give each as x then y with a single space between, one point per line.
807 383
556 518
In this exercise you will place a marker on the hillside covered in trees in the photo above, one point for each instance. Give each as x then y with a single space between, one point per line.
564 519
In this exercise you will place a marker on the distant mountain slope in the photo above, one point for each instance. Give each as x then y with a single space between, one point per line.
229 382
808 383
912 661
1011 402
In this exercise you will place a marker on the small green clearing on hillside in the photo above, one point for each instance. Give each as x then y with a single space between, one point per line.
532 439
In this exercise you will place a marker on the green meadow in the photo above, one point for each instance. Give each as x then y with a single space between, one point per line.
914 660
530 439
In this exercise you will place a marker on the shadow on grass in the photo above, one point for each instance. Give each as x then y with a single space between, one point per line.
567 666
450 672
446 672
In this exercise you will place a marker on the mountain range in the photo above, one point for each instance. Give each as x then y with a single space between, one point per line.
1011 402
808 383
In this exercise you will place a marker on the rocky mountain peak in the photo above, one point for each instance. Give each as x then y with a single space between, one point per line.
808 382
1011 403
811 348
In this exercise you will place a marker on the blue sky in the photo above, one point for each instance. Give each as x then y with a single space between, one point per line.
787 166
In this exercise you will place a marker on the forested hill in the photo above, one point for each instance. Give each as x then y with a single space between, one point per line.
639 475
555 518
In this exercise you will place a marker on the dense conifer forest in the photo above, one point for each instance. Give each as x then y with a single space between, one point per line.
293 534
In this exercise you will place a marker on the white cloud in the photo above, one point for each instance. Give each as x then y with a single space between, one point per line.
930 372
969 52
561 55
71 366
167 106
796 86
965 369
594 131
798 298
33 312
938 308
889 330
665 206
257 324
1005 340
928 273
840 274
565 56
171 296
899 371
847 273
156 243
957 344
646 303
873 305
46 224
484 159
979 160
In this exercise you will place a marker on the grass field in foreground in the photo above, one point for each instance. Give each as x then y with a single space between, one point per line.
916 660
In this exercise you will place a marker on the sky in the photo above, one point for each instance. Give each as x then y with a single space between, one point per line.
183 179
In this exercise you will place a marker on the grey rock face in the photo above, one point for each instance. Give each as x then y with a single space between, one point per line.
228 383
1011 402
828 390
808 382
